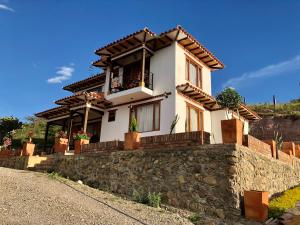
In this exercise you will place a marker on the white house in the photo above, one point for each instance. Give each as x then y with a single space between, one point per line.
149 76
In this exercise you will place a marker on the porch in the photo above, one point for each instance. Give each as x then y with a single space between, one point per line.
80 112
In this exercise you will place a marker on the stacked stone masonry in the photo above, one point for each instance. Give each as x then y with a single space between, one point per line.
209 178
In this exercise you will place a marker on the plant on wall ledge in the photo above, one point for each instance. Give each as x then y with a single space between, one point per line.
133 125
230 99
174 122
29 137
61 134
82 136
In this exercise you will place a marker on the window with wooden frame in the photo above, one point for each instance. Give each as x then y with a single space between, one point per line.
147 116
112 115
193 72
194 118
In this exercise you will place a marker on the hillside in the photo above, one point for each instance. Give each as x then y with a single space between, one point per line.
286 121
290 109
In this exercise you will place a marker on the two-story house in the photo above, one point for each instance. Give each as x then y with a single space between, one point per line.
151 77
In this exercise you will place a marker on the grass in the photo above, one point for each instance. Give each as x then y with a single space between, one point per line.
152 199
194 218
55 176
291 108
281 204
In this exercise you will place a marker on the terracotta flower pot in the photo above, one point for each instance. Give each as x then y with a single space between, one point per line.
61 145
232 131
256 205
6 153
28 149
78 144
132 140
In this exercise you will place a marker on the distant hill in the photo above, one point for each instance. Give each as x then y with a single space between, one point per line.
290 109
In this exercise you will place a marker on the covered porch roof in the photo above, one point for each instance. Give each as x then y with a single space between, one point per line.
95 98
86 83
209 102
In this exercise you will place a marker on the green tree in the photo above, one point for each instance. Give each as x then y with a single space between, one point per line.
8 124
229 99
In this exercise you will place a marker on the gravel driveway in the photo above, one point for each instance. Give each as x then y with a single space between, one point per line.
34 198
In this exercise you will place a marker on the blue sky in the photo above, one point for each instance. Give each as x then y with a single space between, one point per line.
47 44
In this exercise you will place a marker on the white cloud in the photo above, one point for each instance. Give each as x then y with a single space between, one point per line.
281 68
5 7
63 73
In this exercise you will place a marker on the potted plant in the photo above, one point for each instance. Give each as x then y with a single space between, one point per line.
80 138
28 146
232 129
132 138
61 142
5 149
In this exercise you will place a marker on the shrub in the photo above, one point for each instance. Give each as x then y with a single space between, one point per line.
287 200
194 218
82 136
152 199
140 198
133 125
229 98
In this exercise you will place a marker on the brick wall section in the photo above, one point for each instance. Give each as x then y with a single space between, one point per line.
152 142
102 146
257 145
284 157
175 140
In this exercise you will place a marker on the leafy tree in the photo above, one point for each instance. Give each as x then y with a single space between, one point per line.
8 124
230 99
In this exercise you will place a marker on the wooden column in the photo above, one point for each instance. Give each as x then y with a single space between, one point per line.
64 125
142 82
46 136
70 126
86 117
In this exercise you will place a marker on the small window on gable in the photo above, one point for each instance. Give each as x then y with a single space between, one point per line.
112 115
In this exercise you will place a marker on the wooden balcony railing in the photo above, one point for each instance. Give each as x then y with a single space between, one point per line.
116 86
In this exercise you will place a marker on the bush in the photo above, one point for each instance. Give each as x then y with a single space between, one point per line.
152 199
194 218
287 200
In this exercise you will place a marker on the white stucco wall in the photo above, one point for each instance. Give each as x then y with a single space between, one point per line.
115 130
181 103
180 69
162 65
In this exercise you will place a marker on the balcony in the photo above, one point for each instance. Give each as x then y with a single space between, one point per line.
129 87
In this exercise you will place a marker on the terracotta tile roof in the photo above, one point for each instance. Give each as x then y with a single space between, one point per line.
54 112
197 43
145 30
209 102
88 82
156 42
80 97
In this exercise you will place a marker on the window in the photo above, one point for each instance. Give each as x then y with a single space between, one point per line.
193 73
112 115
147 116
194 118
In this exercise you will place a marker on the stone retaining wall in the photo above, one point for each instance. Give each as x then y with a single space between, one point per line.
209 178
